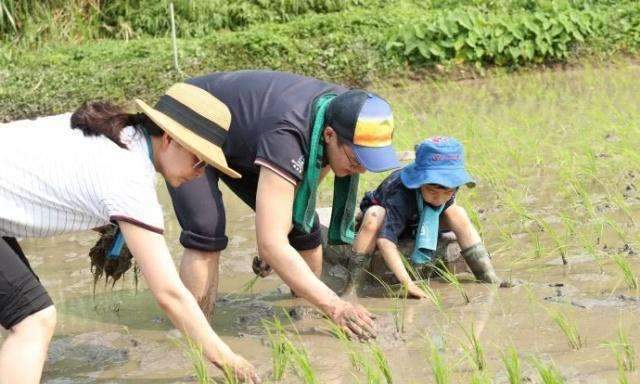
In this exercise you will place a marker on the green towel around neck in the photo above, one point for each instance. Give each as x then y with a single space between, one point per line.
345 189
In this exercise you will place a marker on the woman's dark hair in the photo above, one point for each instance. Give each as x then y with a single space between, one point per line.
100 118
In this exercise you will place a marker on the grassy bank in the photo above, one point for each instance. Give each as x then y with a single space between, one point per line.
352 42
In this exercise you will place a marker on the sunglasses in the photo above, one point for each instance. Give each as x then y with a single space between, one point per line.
355 164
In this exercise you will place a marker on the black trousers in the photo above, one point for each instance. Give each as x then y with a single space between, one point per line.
21 293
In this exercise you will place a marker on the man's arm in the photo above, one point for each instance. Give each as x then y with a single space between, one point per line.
274 208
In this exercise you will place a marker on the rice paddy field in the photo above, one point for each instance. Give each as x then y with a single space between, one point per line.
555 155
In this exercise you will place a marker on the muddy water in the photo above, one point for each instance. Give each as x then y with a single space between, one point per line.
121 336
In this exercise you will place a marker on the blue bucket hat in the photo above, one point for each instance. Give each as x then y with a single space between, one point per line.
439 160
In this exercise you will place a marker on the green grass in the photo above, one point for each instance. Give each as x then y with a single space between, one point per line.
51 49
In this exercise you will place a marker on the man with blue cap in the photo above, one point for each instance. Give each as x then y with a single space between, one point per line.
286 133
419 201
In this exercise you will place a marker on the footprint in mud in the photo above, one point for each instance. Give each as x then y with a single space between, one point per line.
251 314
388 333
85 353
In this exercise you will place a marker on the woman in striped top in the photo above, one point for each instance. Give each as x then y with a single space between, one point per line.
56 180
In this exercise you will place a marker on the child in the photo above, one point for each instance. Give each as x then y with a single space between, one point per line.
419 200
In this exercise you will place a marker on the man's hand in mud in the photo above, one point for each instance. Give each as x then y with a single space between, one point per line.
260 267
240 369
415 292
354 319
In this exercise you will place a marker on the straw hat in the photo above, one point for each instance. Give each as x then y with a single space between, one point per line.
195 119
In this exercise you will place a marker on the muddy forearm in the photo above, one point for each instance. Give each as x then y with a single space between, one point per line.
393 259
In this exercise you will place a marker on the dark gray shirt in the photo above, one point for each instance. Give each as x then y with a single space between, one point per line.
270 118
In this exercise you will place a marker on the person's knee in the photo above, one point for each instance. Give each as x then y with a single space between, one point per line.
457 217
373 219
38 324
199 254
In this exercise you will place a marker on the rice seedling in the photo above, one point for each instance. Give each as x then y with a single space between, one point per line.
399 300
248 286
622 377
381 362
548 372
229 376
423 284
279 346
300 357
356 358
371 373
511 361
439 366
584 198
480 377
474 349
628 275
199 364
568 328
451 278
622 235
624 351
628 351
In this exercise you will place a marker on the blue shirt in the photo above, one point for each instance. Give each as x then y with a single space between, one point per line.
401 207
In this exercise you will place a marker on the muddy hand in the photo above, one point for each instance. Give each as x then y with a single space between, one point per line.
260 267
236 368
354 319
414 291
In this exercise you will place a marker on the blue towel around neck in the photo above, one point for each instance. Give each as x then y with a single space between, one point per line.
118 238
427 233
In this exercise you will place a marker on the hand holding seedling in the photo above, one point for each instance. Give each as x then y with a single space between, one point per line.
260 267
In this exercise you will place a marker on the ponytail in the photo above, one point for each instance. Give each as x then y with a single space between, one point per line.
99 118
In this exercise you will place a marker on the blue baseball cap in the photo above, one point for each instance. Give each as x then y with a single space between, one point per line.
365 119
439 160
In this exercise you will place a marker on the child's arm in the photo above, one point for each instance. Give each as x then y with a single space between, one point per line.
393 259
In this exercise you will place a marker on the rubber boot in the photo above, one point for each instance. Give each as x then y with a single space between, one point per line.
358 267
479 262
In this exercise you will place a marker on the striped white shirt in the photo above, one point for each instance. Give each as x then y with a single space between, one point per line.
53 179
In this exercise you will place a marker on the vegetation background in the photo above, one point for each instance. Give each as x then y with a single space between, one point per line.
50 49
